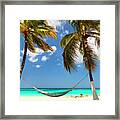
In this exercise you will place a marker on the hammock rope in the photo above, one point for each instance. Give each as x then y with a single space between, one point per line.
58 94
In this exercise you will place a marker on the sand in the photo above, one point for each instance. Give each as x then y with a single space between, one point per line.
81 97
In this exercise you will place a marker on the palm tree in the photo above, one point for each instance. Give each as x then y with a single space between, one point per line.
34 31
78 41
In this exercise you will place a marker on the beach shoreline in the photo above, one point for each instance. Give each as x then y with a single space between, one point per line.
80 97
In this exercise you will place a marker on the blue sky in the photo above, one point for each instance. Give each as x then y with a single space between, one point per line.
46 69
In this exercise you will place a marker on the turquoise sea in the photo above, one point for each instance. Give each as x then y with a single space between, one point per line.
75 92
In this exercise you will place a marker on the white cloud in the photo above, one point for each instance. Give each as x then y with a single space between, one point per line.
56 23
66 31
33 59
91 42
39 51
30 54
38 66
44 58
54 50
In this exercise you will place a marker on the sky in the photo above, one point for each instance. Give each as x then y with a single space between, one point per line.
46 69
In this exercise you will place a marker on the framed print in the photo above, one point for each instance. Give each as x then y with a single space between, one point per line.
59 59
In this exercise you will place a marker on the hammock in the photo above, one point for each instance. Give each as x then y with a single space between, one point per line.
57 94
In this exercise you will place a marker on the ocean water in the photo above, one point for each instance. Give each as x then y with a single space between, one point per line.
75 92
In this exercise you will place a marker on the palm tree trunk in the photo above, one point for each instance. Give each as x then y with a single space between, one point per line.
85 46
24 57
95 96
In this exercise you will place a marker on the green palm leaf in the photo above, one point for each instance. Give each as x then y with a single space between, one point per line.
30 44
40 43
70 54
89 24
46 31
89 58
67 38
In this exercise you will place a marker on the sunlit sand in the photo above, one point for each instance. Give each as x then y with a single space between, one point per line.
81 97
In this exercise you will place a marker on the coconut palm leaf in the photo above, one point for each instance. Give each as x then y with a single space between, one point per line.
30 44
36 23
65 40
97 41
35 29
40 43
89 58
89 24
22 27
92 28
46 32
92 24
70 55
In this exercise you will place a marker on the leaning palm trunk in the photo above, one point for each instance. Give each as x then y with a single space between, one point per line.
24 58
89 63
95 96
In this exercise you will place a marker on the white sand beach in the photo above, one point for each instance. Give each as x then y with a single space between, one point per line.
37 98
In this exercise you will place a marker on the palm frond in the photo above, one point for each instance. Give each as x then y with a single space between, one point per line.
41 27
91 33
81 47
74 23
35 23
89 58
46 31
94 24
97 39
30 44
41 44
22 27
70 54
95 35
66 39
